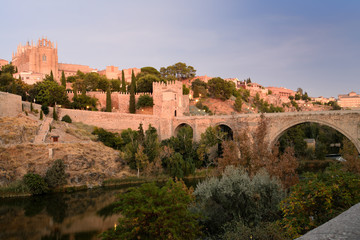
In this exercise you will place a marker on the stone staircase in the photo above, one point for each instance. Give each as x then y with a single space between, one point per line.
44 129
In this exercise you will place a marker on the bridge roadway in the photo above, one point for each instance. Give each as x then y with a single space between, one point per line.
346 122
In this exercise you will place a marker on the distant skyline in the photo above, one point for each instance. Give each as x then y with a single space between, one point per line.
314 45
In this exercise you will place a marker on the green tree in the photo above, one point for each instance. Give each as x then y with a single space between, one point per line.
8 68
151 143
35 183
55 175
41 115
84 102
177 71
319 197
145 101
219 88
63 79
55 116
237 197
49 92
51 77
115 85
103 83
108 100
109 139
186 90
238 104
151 212
123 83
145 83
141 159
132 94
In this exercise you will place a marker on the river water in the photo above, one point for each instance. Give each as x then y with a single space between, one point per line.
62 216
65 216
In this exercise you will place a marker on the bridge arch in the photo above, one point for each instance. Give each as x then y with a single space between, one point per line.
181 125
276 136
225 127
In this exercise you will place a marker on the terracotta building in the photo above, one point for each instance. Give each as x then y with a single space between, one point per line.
40 58
281 92
3 62
112 72
351 100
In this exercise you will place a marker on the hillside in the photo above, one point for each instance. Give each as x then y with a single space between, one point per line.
87 162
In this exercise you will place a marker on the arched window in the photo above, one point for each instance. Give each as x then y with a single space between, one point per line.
175 113
44 58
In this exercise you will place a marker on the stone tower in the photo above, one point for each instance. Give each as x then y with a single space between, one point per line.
169 101
40 58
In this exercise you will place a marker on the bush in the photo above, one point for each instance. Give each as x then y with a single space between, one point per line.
109 139
318 198
144 101
45 109
237 197
35 183
151 212
66 118
55 175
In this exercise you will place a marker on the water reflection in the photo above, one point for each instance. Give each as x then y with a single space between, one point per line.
80 215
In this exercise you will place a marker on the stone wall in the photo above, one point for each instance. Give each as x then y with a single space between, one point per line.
10 104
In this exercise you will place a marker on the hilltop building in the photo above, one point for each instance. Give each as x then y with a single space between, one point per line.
351 100
3 62
34 61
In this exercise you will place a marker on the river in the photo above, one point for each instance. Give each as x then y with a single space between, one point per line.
79 215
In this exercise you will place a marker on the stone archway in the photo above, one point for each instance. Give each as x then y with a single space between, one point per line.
274 137
181 125
227 129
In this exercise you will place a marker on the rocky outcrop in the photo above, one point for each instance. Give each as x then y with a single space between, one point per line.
87 163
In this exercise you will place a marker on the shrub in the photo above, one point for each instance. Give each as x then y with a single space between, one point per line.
66 118
45 109
237 197
318 198
55 175
151 212
35 183
41 115
145 101
109 139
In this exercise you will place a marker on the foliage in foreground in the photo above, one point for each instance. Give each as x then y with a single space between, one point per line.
237 197
55 175
151 212
318 198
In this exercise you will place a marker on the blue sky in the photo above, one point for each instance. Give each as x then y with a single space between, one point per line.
312 44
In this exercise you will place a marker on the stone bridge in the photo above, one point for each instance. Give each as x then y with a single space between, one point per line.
346 122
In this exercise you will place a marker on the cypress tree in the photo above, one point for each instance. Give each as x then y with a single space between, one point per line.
63 80
55 116
132 94
75 91
13 87
123 83
108 100
41 115
133 79
51 76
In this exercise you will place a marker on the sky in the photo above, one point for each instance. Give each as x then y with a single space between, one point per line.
311 44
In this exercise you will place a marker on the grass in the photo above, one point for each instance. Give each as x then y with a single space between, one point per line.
16 188
81 131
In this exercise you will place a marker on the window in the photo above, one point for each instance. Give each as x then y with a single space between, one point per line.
175 113
44 58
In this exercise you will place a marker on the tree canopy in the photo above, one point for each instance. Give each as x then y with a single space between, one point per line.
177 71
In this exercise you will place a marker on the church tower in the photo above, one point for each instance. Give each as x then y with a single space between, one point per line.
41 58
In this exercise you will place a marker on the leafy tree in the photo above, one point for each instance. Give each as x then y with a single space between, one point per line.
291 98
186 90
55 116
237 197
151 212
8 68
297 96
103 84
141 159
318 198
145 101
177 71
132 94
238 104
115 85
63 79
123 83
49 92
109 139
55 175
92 81
108 101
35 183
219 88
66 118
149 70
151 143
84 102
